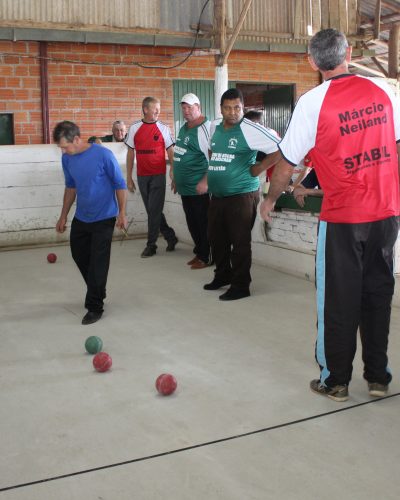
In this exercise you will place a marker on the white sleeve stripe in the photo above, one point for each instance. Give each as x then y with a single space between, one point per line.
285 158
166 133
300 135
203 138
205 131
263 130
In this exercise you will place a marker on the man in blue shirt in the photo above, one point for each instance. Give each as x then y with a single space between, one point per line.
92 177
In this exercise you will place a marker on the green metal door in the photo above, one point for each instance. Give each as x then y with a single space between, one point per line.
6 129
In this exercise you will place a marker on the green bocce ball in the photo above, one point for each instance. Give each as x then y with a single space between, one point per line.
93 344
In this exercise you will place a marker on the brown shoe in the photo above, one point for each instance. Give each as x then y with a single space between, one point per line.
199 264
192 261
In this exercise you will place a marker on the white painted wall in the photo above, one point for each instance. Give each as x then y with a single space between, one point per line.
31 192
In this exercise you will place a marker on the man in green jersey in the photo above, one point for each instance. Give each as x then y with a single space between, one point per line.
234 193
190 166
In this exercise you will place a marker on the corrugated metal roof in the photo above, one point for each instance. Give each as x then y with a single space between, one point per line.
265 17
87 13
171 15
178 15
269 25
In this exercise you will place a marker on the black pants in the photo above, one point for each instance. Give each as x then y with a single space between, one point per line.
355 285
91 249
152 190
196 208
230 221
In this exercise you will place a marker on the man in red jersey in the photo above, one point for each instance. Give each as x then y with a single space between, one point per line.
149 138
350 124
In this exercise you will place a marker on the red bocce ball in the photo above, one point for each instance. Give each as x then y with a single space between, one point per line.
166 384
102 362
51 258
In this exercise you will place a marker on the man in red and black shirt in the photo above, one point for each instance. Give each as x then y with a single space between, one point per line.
149 138
350 124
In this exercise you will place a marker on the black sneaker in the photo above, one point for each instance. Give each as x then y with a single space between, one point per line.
215 284
91 317
377 390
338 393
172 244
149 252
235 294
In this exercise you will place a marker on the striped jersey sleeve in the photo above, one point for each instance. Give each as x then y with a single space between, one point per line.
129 140
166 133
301 132
259 138
203 136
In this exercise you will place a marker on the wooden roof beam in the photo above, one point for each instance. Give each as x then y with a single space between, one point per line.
377 20
366 68
394 47
390 5
377 62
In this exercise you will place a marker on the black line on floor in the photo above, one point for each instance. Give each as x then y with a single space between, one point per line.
200 445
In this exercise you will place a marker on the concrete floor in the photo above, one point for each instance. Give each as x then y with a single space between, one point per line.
68 432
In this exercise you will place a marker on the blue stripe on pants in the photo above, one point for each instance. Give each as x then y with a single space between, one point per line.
320 278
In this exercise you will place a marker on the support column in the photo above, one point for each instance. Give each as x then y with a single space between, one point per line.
394 47
220 86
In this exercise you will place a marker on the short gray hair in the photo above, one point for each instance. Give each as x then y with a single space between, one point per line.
118 122
67 130
328 49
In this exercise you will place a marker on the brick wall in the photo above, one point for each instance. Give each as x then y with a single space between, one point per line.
20 89
96 95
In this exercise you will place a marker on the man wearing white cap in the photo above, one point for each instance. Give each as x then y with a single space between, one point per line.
190 166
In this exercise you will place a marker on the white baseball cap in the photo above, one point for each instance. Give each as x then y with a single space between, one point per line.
190 99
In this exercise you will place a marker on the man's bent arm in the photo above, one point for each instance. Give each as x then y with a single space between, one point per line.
266 163
280 179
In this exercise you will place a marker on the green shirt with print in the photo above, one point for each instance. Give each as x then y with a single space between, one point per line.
191 157
234 151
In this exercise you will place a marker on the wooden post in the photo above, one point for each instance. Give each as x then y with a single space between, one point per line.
220 24
239 24
377 20
394 46
221 72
